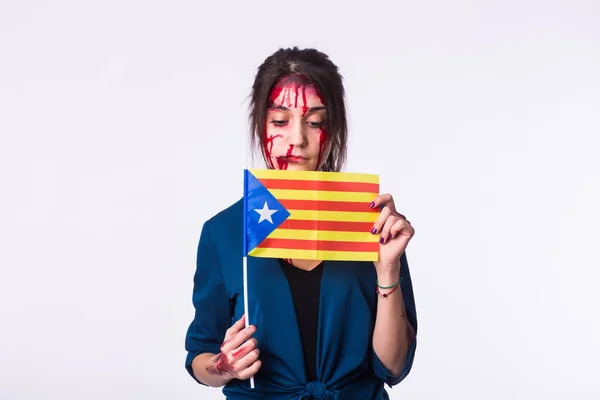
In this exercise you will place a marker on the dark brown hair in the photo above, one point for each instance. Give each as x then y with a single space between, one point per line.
321 72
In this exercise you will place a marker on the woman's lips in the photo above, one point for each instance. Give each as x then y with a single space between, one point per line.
292 159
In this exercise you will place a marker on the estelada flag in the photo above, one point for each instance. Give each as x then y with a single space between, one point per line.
310 215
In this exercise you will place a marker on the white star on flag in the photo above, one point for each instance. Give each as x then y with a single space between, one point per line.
265 213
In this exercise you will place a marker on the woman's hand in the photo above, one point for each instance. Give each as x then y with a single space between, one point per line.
238 358
394 230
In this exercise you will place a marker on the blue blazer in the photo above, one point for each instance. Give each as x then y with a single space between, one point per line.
347 366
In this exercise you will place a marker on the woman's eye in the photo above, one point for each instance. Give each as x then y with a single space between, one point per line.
313 124
278 122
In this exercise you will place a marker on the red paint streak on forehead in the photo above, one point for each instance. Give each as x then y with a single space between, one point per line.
275 93
304 107
296 101
288 93
296 82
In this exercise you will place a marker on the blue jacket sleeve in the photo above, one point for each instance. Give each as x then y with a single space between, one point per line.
211 302
411 314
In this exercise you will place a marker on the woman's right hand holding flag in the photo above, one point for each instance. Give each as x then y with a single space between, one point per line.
238 358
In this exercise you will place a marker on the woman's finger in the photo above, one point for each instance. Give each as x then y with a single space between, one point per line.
250 371
240 337
397 227
244 349
385 233
235 328
402 225
378 225
384 199
246 361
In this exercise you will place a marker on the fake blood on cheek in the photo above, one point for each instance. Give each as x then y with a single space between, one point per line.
322 142
282 163
269 146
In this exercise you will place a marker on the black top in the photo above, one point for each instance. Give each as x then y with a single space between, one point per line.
306 291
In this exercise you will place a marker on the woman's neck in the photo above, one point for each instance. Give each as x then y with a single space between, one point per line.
306 265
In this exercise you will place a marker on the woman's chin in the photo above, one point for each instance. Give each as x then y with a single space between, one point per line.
300 167
294 166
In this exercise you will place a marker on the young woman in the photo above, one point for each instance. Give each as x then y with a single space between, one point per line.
320 329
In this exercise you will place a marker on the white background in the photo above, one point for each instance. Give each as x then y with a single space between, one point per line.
123 128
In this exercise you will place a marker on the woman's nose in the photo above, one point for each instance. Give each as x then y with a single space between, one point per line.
297 135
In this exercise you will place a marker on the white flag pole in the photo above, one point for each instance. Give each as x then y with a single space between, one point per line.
245 260
247 318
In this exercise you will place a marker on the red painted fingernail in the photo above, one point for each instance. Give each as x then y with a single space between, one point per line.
374 231
372 204
381 240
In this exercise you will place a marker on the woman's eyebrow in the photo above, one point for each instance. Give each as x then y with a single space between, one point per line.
278 107
313 109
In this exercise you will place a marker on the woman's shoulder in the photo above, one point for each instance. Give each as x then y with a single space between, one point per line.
225 227
223 233
230 214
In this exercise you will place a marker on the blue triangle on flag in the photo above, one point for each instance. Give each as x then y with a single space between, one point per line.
264 213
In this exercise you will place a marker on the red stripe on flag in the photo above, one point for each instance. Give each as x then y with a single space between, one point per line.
318 245
327 205
327 186
338 226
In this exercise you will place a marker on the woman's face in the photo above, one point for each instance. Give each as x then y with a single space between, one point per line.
296 136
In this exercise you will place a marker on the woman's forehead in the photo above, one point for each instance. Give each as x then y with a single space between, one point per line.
295 91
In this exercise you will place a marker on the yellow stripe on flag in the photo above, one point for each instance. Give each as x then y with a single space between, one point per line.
314 254
314 176
320 215
323 235
287 194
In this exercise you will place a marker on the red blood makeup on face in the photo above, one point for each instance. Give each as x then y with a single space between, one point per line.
295 132
304 107
275 93
269 146
282 162
322 143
